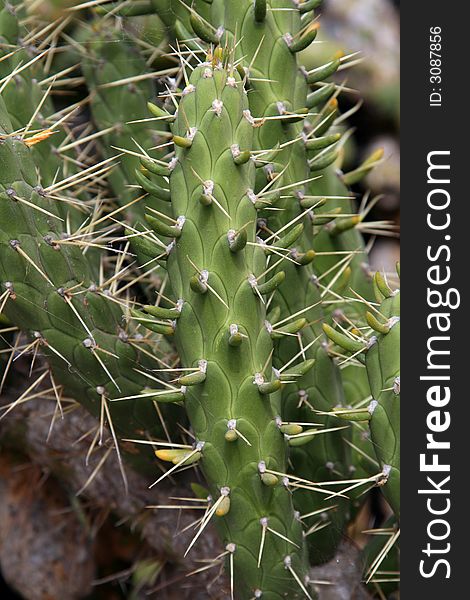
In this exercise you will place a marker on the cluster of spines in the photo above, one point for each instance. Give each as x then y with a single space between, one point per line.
380 353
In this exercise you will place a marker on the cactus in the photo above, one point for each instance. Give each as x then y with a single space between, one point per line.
116 77
48 291
382 559
26 96
268 38
383 371
231 197
333 238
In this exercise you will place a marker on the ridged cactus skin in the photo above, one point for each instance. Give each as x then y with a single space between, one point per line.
89 346
363 463
24 94
324 456
383 370
240 230
382 359
121 86
221 334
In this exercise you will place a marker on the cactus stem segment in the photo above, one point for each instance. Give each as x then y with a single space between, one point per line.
266 387
288 566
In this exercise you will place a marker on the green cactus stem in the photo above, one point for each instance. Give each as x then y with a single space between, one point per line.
383 371
48 291
221 334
